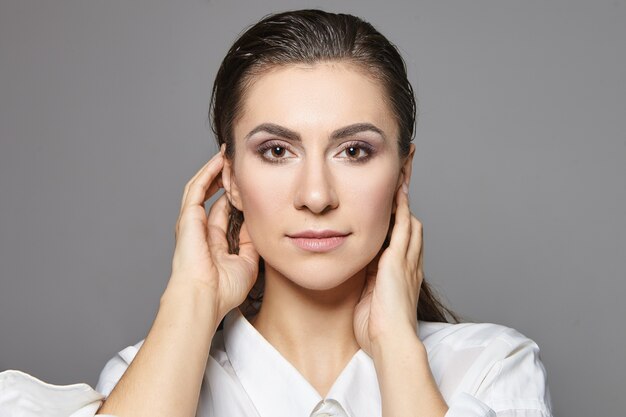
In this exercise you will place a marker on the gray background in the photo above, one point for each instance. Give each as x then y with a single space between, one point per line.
519 176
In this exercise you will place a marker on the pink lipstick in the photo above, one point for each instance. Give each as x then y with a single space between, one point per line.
318 241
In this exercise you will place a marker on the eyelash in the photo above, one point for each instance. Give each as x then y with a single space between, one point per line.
362 146
263 148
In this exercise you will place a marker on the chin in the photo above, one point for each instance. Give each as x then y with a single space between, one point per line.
314 282
320 275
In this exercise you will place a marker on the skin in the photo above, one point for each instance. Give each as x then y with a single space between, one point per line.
319 309
315 184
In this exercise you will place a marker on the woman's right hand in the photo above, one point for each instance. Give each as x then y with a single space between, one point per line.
201 255
206 283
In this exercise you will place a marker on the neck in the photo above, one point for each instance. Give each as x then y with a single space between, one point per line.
312 329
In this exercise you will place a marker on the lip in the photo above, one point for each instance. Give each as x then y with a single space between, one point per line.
318 240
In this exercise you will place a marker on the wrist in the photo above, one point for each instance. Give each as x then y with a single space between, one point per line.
194 304
398 345
405 378
401 331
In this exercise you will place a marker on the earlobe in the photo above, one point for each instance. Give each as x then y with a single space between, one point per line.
229 181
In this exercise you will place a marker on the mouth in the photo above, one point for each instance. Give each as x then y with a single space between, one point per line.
318 240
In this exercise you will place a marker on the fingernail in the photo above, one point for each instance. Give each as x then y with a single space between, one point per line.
405 188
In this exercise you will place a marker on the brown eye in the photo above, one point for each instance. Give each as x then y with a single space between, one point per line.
274 151
353 152
278 151
356 152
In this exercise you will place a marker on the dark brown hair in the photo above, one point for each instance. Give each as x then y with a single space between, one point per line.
309 37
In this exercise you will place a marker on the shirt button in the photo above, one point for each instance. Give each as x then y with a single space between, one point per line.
328 408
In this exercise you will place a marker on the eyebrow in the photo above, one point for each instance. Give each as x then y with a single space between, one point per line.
341 133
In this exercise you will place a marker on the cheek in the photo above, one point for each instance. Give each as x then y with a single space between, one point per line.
365 196
264 196
371 200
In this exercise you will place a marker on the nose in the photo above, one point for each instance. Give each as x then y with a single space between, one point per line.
315 188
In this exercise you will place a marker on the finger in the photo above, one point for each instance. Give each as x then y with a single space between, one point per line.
371 271
202 186
217 226
401 232
420 266
192 180
246 248
372 267
416 244
368 288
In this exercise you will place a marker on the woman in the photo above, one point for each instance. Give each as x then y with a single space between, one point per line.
315 115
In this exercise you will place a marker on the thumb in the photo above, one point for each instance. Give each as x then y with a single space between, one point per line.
370 276
247 251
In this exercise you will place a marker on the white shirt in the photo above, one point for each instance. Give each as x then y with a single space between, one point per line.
481 369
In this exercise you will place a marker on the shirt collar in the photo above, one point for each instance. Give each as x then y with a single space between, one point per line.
276 387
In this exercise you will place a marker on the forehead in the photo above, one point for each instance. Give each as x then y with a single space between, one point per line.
317 97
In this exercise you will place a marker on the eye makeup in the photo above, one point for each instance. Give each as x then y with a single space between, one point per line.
357 151
274 151
278 151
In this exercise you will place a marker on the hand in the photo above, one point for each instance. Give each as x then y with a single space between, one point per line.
388 305
201 255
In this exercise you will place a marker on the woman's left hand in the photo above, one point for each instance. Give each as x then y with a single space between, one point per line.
388 305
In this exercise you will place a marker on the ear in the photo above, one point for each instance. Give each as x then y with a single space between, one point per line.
406 168
229 181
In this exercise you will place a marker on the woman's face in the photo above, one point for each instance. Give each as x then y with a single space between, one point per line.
315 171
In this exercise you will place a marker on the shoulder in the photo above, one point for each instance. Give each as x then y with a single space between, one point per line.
24 395
494 363
461 336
